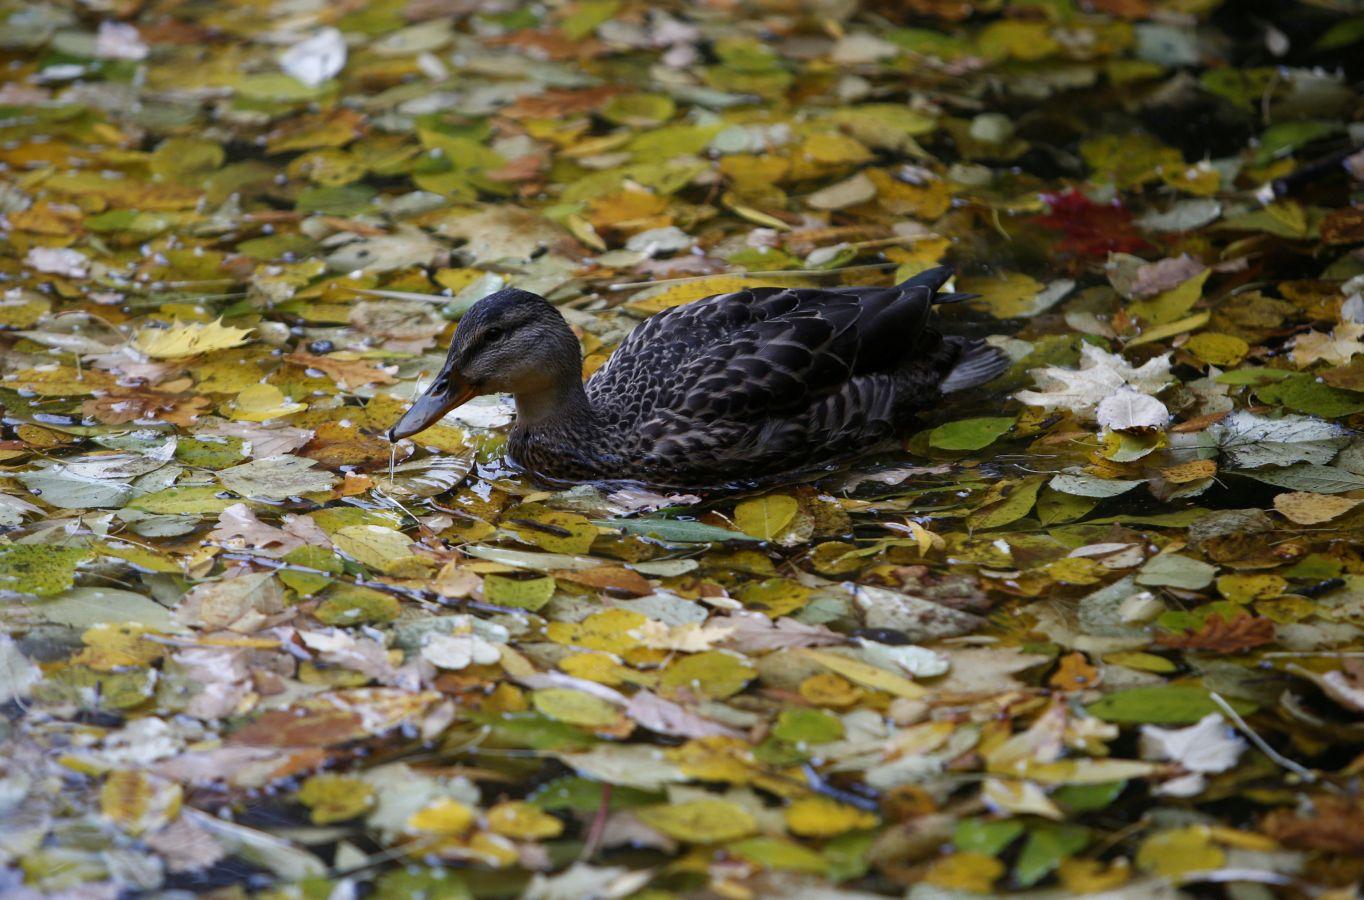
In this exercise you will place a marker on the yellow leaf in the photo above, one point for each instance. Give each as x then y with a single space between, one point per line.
138 802
1161 332
1194 470
604 669
262 402
1248 587
765 517
109 647
822 817
1090 876
1217 349
379 548
607 630
521 593
442 817
1307 508
575 707
700 821
335 798
715 673
1179 850
867 675
1170 305
553 530
828 689
189 339
716 758
1008 295
974 872
1017 39
519 820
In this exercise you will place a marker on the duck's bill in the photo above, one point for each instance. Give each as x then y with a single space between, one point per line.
430 407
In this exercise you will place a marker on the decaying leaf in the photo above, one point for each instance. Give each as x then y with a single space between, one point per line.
250 644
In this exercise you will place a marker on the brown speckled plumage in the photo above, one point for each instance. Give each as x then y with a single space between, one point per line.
734 388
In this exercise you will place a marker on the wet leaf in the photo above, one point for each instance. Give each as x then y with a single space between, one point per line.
766 517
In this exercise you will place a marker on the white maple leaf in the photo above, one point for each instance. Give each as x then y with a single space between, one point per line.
1100 375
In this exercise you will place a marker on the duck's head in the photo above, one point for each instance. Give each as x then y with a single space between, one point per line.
510 342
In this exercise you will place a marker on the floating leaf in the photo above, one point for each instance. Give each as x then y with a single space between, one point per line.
1173 704
189 339
765 517
700 821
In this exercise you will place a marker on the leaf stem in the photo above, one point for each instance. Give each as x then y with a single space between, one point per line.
1282 761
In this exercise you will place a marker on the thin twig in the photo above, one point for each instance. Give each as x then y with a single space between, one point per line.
1284 762
598 829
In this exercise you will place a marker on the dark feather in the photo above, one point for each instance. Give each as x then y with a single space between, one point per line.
763 380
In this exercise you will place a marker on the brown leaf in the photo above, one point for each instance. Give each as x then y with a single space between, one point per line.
1343 226
130 405
611 578
335 718
1243 632
754 631
349 374
1074 673
1336 826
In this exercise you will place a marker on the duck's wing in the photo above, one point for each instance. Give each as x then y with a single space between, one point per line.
767 351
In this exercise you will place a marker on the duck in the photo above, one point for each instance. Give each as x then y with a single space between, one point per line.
739 388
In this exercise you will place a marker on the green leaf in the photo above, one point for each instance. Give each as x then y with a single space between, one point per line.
1086 797
520 593
1307 477
1304 393
1047 845
86 606
195 499
1163 704
1013 507
679 531
276 478
809 726
986 836
970 434
775 853
40 569
1174 570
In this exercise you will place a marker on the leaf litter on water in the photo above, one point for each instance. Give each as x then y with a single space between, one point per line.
1093 629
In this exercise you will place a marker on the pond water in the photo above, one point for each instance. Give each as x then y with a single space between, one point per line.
1094 626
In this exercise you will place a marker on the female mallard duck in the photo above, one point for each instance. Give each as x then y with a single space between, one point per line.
734 388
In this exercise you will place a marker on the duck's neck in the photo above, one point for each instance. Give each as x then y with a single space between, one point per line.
564 404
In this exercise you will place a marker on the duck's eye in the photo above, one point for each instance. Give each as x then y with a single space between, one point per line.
492 334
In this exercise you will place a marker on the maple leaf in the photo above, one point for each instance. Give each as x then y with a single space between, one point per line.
1091 229
189 339
1218 635
1101 375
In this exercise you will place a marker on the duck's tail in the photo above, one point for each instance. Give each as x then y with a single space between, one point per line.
977 362
934 279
